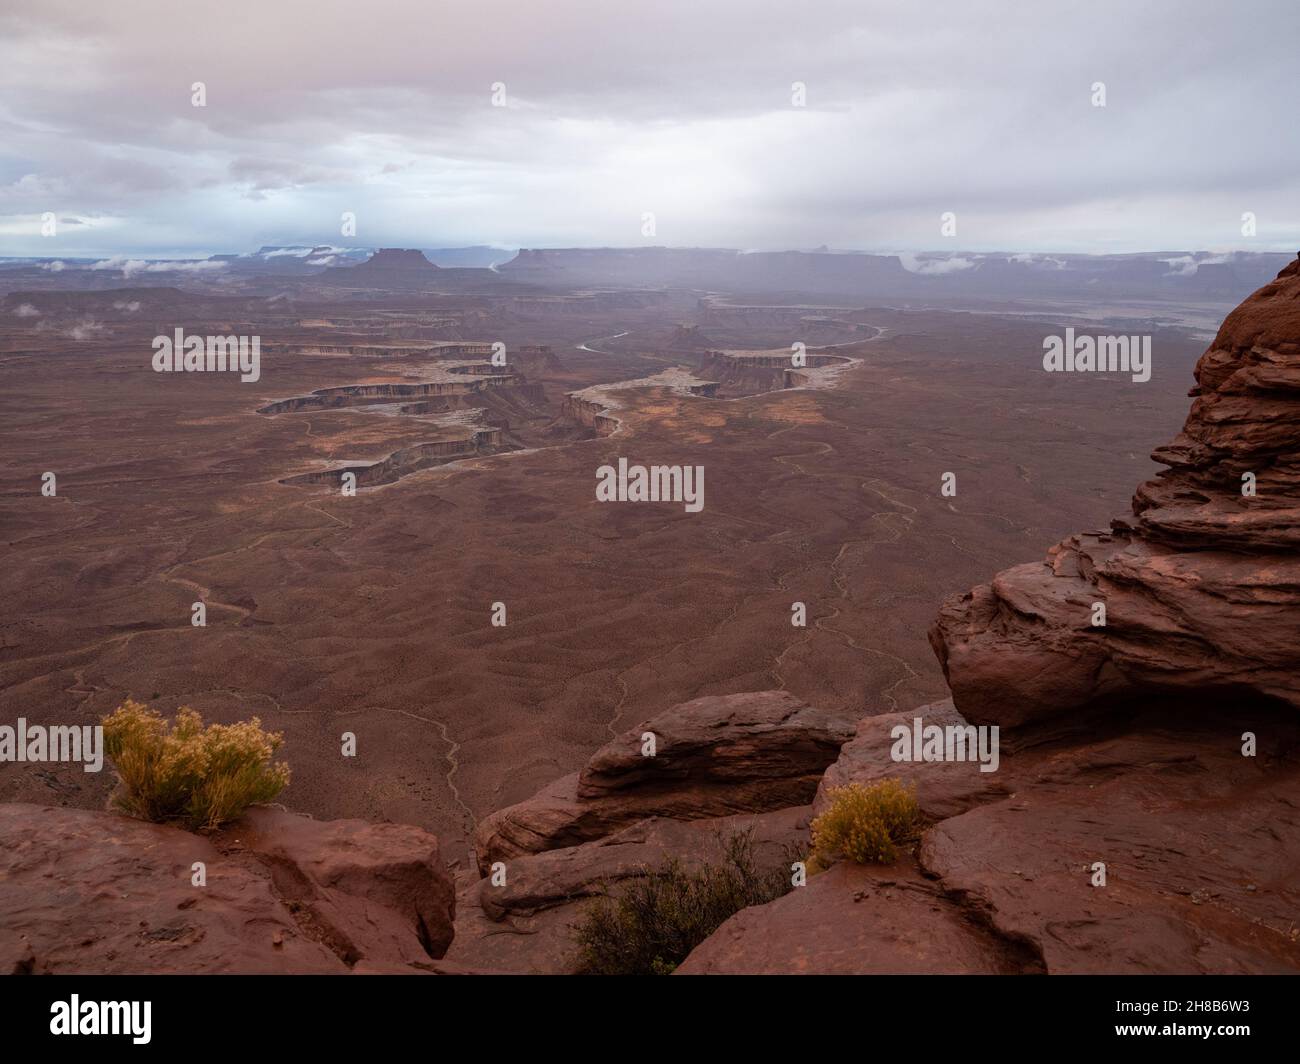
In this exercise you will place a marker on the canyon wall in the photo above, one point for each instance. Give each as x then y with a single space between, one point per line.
1200 585
589 414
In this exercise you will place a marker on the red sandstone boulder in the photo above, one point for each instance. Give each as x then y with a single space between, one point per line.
714 757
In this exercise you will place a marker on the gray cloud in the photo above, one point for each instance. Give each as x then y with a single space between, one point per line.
678 108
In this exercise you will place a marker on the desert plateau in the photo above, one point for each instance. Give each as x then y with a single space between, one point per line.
818 498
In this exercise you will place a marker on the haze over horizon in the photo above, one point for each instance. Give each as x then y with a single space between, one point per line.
683 111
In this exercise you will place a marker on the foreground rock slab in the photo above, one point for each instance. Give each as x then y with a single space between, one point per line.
90 892
858 920
1200 848
97 893
527 923
378 890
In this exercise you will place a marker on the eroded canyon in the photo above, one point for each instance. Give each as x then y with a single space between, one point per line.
371 611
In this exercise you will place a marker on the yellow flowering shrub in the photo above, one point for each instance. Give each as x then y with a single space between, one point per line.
184 771
864 823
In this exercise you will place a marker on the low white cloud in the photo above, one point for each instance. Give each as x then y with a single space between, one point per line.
85 330
131 267
188 266
935 266
1186 265
1029 258
26 310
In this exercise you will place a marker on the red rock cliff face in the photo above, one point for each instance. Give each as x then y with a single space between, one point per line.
1201 586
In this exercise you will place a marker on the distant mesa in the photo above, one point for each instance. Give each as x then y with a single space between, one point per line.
928 274
400 259
394 268
388 268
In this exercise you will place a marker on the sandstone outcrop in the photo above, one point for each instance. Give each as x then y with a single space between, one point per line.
590 414
94 893
722 766
526 924
1201 585
407 460
943 788
1145 813
714 757
381 889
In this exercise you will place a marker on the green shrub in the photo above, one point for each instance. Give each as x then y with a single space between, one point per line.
200 776
864 823
657 919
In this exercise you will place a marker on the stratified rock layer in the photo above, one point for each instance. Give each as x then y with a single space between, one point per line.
1201 587
713 757
744 764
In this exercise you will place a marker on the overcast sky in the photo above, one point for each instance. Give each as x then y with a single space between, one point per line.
681 108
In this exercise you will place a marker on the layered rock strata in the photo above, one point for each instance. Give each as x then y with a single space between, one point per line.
1200 585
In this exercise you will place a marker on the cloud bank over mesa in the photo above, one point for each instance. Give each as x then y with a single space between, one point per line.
684 110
